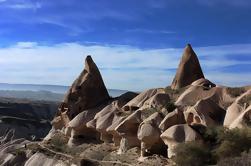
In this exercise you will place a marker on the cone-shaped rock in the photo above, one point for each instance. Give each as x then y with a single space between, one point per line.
189 69
87 91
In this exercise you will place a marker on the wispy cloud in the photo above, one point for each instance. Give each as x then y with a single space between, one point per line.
22 45
149 31
233 3
20 5
123 67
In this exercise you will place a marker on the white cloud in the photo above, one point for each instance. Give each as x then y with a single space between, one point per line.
26 44
122 67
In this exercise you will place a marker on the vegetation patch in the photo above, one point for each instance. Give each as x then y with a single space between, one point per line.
220 144
235 92
192 154
170 106
174 93
243 160
148 112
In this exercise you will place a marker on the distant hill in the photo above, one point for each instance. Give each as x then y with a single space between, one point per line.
40 92
32 95
34 87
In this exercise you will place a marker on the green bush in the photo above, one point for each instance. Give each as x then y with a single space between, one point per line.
192 154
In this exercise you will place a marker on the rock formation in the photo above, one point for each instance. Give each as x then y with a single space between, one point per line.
189 69
205 112
149 135
238 111
107 116
139 100
173 118
178 134
128 129
87 91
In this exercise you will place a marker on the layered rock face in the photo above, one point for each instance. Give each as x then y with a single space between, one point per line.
189 69
87 91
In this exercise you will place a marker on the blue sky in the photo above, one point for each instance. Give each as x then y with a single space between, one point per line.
136 43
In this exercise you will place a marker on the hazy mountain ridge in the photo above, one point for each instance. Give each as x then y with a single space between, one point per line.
41 92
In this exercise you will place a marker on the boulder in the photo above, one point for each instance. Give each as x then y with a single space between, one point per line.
205 112
104 118
149 134
40 159
157 101
77 126
205 83
118 118
178 134
195 93
189 69
102 124
140 99
237 108
57 123
243 120
8 149
173 118
86 92
128 129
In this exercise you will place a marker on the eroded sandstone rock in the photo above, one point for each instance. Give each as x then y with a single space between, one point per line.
205 112
237 108
173 118
178 134
139 100
128 129
189 69
86 92
149 135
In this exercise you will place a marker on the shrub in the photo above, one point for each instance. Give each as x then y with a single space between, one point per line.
192 154
233 142
58 142
170 106
148 112
221 145
243 160
211 135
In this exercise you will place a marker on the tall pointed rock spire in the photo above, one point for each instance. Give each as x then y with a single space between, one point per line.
189 69
87 91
